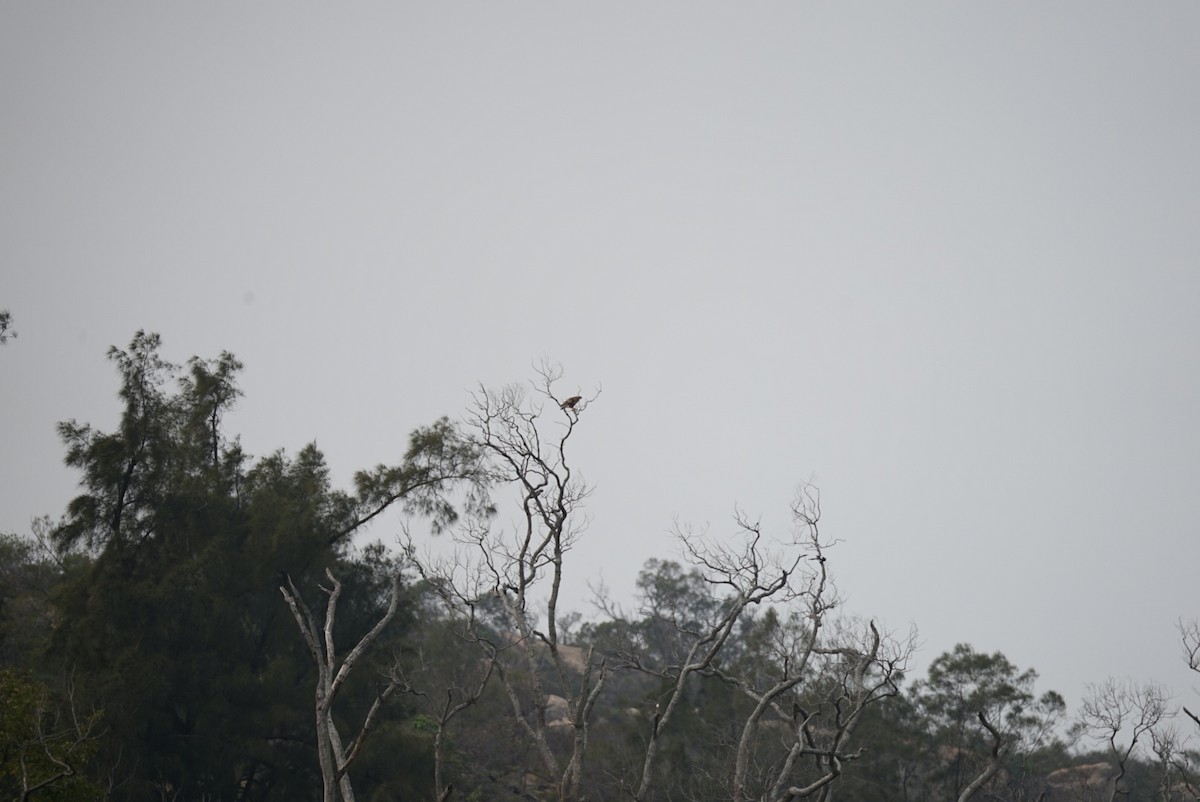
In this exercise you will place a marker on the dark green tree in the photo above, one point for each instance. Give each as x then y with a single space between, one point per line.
985 725
177 622
27 580
45 743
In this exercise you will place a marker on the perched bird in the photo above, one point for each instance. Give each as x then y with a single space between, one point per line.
571 402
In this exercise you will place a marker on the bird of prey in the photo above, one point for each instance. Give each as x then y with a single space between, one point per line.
571 402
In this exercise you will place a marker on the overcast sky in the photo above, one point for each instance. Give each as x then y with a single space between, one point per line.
941 259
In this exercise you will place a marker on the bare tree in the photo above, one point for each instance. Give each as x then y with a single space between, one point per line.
1189 635
1123 715
1174 764
1171 749
518 570
503 585
809 689
446 692
335 759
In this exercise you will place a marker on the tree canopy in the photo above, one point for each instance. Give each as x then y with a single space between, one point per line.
147 652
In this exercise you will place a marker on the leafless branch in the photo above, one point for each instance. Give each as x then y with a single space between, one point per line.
1118 710
334 759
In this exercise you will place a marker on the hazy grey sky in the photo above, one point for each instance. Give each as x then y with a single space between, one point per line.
939 258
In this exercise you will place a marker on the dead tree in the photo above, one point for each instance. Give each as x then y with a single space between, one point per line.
1169 748
1189 635
1123 715
443 692
334 758
520 569
844 669
442 709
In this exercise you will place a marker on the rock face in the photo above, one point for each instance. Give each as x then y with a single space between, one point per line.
556 710
1088 777
574 657
558 715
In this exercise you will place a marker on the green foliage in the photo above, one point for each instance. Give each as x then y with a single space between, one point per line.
177 621
166 457
963 682
934 744
26 582
44 743
439 460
